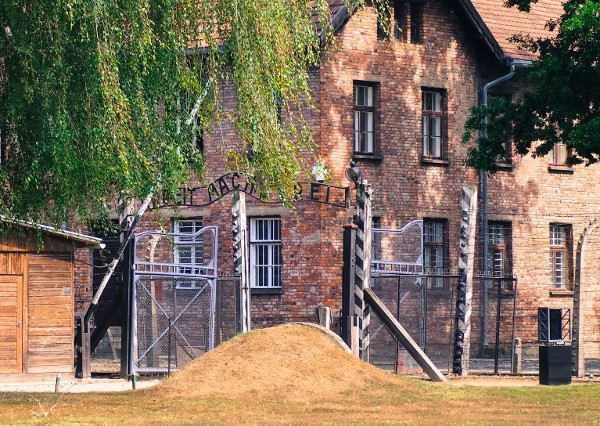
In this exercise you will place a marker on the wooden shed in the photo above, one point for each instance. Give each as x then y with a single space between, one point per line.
36 298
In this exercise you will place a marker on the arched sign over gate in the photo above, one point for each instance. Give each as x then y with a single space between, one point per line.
204 195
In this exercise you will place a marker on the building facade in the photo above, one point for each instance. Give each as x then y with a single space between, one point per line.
397 108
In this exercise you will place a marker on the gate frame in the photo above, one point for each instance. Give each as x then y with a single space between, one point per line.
146 269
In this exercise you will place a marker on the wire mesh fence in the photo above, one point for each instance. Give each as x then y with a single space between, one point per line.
424 306
493 321
179 319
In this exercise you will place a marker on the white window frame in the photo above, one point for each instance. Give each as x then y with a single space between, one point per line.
559 256
559 154
432 126
496 261
363 99
180 244
265 247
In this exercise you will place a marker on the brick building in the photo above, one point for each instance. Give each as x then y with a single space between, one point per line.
397 108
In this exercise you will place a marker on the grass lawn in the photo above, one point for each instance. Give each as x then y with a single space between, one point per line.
413 401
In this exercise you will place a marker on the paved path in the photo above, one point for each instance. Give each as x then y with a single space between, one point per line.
75 385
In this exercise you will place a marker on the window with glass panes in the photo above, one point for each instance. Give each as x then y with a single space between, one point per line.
364 118
416 22
498 261
265 252
433 250
188 248
559 155
506 156
408 21
432 124
559 255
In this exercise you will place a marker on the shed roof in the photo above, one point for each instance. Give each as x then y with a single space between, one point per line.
56 232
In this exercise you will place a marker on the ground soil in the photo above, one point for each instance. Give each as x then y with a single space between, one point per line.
295 361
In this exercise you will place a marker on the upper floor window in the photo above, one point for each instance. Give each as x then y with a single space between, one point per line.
559 155
499 259
416 22
364 118
265 252
198 137
189 115
407 21
432 111
560 256
434 249
505 158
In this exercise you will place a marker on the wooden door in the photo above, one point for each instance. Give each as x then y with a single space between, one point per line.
11 323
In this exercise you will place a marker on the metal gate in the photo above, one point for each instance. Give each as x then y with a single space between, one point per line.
173 298
421 298
395 253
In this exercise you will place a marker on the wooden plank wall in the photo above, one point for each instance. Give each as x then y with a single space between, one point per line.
13 263
50 313
11 317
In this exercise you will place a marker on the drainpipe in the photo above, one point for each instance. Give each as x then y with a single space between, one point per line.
484 177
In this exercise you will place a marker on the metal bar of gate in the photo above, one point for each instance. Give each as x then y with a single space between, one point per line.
149 348
497 349
513 349
132 330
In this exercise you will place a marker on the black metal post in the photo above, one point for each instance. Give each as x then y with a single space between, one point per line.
126 319
496 354
398 318
450 346
169 351
512 352
348 273
425 317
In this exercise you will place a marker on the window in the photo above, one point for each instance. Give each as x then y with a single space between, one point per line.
434 249
188 250
432 124
407 23
505 158
381 25
400 21
198 141
559 155
560 255
265 252
416 22
364 118
499 249
189 111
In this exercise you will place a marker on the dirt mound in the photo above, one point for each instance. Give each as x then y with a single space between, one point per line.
290 361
